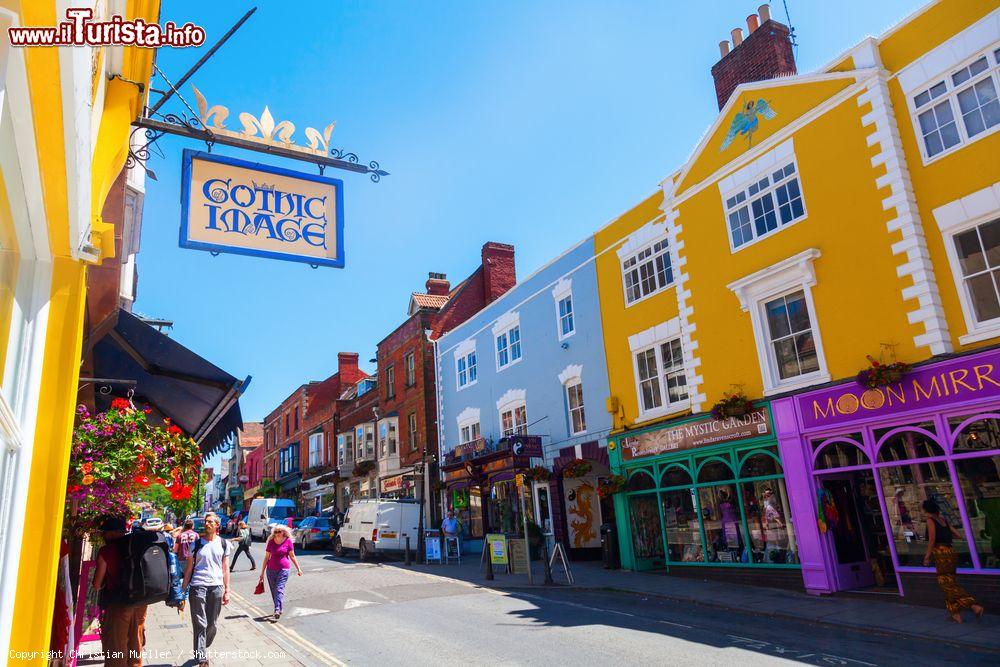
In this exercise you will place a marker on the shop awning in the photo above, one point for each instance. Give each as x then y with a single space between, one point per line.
196 395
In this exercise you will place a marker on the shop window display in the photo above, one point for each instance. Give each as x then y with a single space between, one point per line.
840 454
720 516
907 445
979 479
905 487
979 435
680 522
675 476
640 481
765 506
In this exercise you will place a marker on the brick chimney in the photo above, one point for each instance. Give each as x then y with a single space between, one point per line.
437 283
347 367
765 53
498 270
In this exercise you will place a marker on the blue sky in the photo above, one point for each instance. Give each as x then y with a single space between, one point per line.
531 123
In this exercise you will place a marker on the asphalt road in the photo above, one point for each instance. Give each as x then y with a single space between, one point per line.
382 613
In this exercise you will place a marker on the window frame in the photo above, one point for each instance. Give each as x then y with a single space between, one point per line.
412 430
666 405
951 227
951 97
508 346
466 355
563 291
633 254
469 418
313 439
581 408
754 291
770 190
409 369
390 382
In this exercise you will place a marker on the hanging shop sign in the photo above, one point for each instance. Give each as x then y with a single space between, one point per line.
239 207
525 445
962 379
697 433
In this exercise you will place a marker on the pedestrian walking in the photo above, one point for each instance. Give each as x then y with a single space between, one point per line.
207 574
184 542
123 631
279 556
243 541
939 546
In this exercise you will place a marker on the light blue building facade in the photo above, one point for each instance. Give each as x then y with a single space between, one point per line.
530 363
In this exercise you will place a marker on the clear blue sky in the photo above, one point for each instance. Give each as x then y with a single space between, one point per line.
527 122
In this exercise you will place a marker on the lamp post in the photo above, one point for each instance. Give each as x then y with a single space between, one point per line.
420 468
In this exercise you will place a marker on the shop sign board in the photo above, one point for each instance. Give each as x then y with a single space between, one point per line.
518 556
525 445
432 546
697 433
393 484
498 548
239 207
933 386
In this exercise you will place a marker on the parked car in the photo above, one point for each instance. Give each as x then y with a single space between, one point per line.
313 531
152 523
266 511
373 526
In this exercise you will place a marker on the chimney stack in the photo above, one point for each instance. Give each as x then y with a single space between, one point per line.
765 53
498 270
437 283
347 367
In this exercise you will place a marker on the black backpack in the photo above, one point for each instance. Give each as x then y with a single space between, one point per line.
145 575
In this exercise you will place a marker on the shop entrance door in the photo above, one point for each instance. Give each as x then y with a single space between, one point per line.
857 532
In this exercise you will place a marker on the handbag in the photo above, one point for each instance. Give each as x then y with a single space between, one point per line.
260 587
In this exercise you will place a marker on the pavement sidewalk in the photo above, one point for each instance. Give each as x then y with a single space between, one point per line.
240 640
872 616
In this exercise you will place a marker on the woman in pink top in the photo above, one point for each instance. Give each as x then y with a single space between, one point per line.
279 557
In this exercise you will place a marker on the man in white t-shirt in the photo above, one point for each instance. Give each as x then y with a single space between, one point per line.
208 574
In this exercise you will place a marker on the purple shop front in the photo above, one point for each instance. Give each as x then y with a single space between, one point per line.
859 462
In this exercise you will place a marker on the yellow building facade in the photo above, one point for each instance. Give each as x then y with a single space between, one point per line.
823 217
64 137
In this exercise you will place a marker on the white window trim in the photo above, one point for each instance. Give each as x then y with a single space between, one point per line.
646 236
503 325
510 401
468 417
788 275
740 180
571 375
952 219
316 437
575 382
939 63
651 338
563 289
952 99
462 351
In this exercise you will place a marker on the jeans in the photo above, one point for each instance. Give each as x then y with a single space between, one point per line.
243 549
206 604
276 580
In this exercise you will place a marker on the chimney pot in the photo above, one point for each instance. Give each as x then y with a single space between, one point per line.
765 13
737 34
437 283
724 47
752 23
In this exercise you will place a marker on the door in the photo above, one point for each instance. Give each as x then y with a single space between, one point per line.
845 530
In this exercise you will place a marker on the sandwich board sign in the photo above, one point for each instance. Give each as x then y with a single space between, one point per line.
239 207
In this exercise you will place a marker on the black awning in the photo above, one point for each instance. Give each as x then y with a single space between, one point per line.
196 395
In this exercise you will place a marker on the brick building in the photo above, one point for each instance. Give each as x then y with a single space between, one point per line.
288 427
252 468
356 452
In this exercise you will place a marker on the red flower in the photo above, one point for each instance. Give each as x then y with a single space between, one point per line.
174 430
120 404
161 481
141 480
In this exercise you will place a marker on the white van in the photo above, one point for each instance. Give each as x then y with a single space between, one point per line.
372 526
266 511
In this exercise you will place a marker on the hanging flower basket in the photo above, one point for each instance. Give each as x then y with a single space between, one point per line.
735 404
881 375
538 474
577 468
362 469
610 485
118 453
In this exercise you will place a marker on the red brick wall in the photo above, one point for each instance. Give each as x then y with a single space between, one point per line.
490 281
766 53
417 399
498 270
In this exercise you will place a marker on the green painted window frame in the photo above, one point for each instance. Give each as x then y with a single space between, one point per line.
728 454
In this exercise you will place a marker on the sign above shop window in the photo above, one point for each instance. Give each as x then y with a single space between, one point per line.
697 433
239 207
395 483
937 385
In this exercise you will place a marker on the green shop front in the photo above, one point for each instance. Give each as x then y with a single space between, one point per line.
706 497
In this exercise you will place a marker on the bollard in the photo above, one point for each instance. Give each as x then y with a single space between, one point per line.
407 550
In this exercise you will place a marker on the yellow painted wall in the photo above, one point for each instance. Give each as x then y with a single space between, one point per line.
36 576
971 167
619 322
857 294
